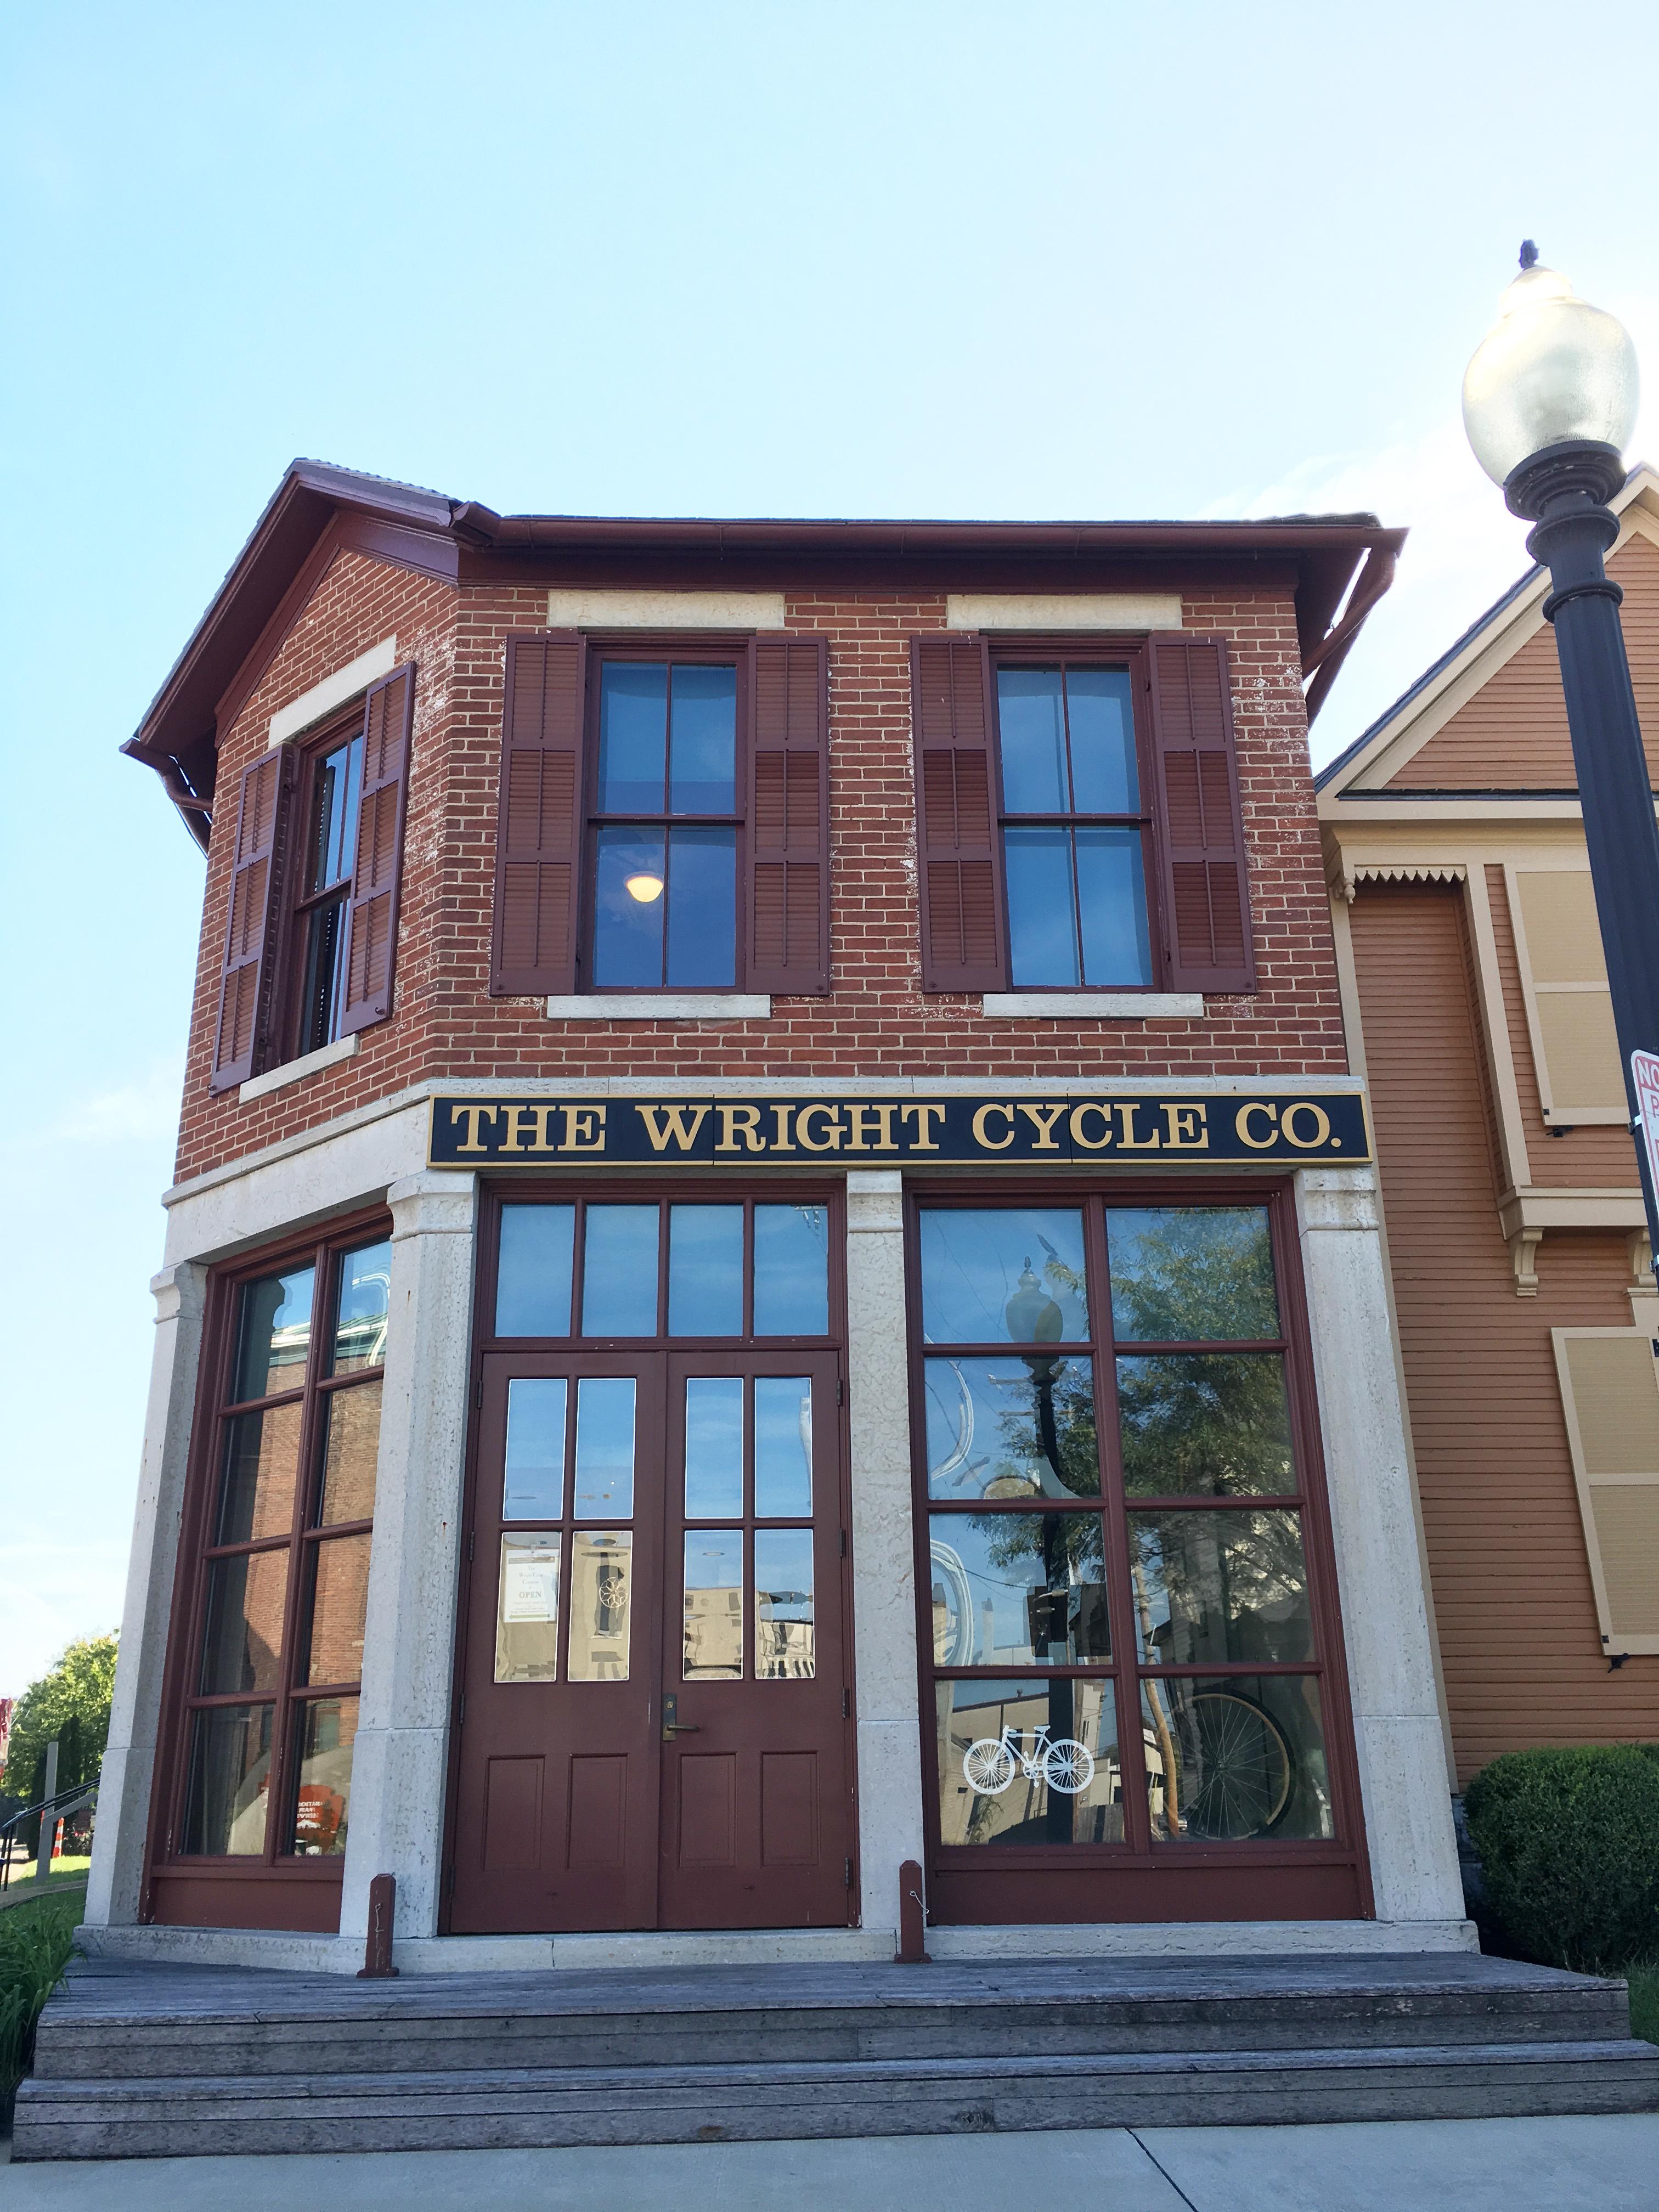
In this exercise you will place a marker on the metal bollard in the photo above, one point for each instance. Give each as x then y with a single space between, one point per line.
377 1964
913 1928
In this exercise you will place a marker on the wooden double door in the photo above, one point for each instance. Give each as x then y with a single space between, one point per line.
654 1727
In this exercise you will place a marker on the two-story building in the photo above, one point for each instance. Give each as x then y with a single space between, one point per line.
773 1269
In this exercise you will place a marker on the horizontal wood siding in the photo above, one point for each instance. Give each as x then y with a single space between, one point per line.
1518 1634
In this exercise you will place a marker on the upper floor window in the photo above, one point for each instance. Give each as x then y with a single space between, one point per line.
330 853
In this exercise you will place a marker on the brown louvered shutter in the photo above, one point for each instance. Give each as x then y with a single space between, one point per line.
1200 831
377 871
245 975
959 867
538 827
789 815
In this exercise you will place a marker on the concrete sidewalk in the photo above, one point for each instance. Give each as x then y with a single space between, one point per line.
1477 2166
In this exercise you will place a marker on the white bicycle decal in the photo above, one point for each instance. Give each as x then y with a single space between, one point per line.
989 1764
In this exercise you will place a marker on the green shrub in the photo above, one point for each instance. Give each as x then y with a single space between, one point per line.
1569 1844
34 1949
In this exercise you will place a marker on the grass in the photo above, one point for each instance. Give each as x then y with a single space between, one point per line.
34 1949
25 1882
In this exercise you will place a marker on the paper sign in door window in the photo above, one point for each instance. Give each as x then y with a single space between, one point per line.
527 1610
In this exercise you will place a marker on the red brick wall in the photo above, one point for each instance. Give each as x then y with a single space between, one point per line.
877 1020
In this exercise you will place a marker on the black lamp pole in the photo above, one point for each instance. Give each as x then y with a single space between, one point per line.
1564 492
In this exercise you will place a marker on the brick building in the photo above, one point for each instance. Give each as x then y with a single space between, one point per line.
773 1269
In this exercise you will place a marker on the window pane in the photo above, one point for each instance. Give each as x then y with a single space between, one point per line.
275 1336
633 737
331 848
532 1485
322 989
1017 1589
783 1446
532 1273
1101 713
242 1639
628 910
605 1447
713 1448
703 754
1029 1763
713 1605
702 909
325 1733
229 1776
783 1605
339 1598
365 1299
352 1443
1239 1756
705 1271
1112 907
792 1271
619 1271
256 1489
601 1563
1191 1272
1205 1425
994 1274
1030 720
527 1610
1042 912
1216 1588
1011 1428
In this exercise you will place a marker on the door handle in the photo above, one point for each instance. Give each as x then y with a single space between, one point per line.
672 1726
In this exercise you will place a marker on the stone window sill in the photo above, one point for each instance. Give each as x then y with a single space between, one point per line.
1093 1005
663 1007
296 1071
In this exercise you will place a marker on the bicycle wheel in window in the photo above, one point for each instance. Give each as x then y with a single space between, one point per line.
1237 1767
987 1767
1068 1765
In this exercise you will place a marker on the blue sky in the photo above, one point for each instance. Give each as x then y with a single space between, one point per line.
906 259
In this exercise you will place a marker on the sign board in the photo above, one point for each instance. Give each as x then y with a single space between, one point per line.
1161 1128
1645 1071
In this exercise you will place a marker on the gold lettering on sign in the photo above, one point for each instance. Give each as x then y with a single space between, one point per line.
1042 1120
1321 1125
584 1129
1128 1140
830 1141
739 1121
924 1140
857 1130
780 1142
527 1120
681 1123
1186 1128
981 1133
1092 1144
1243 1124
472 1115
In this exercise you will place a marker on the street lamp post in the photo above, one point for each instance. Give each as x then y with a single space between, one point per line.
1549 403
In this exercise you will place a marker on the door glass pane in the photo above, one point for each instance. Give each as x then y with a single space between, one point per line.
325 1733
628 910
351 1443
605 1447
1205 1424
792 1271
705 1271
1215 1586
783 1605
996 1274
1029 1762
783 1446
340 1596
532 1487
601 1561
275 1336
1041 909
702 909
713 1605
633 737
1101 715
1186 1273
527 1610
242 1639
365 1300
229 1776
619 1271
1111 891
1030 720
532 1274
713 1448
1236 1756
703 747
1018 1589
1011 1428
255 1488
